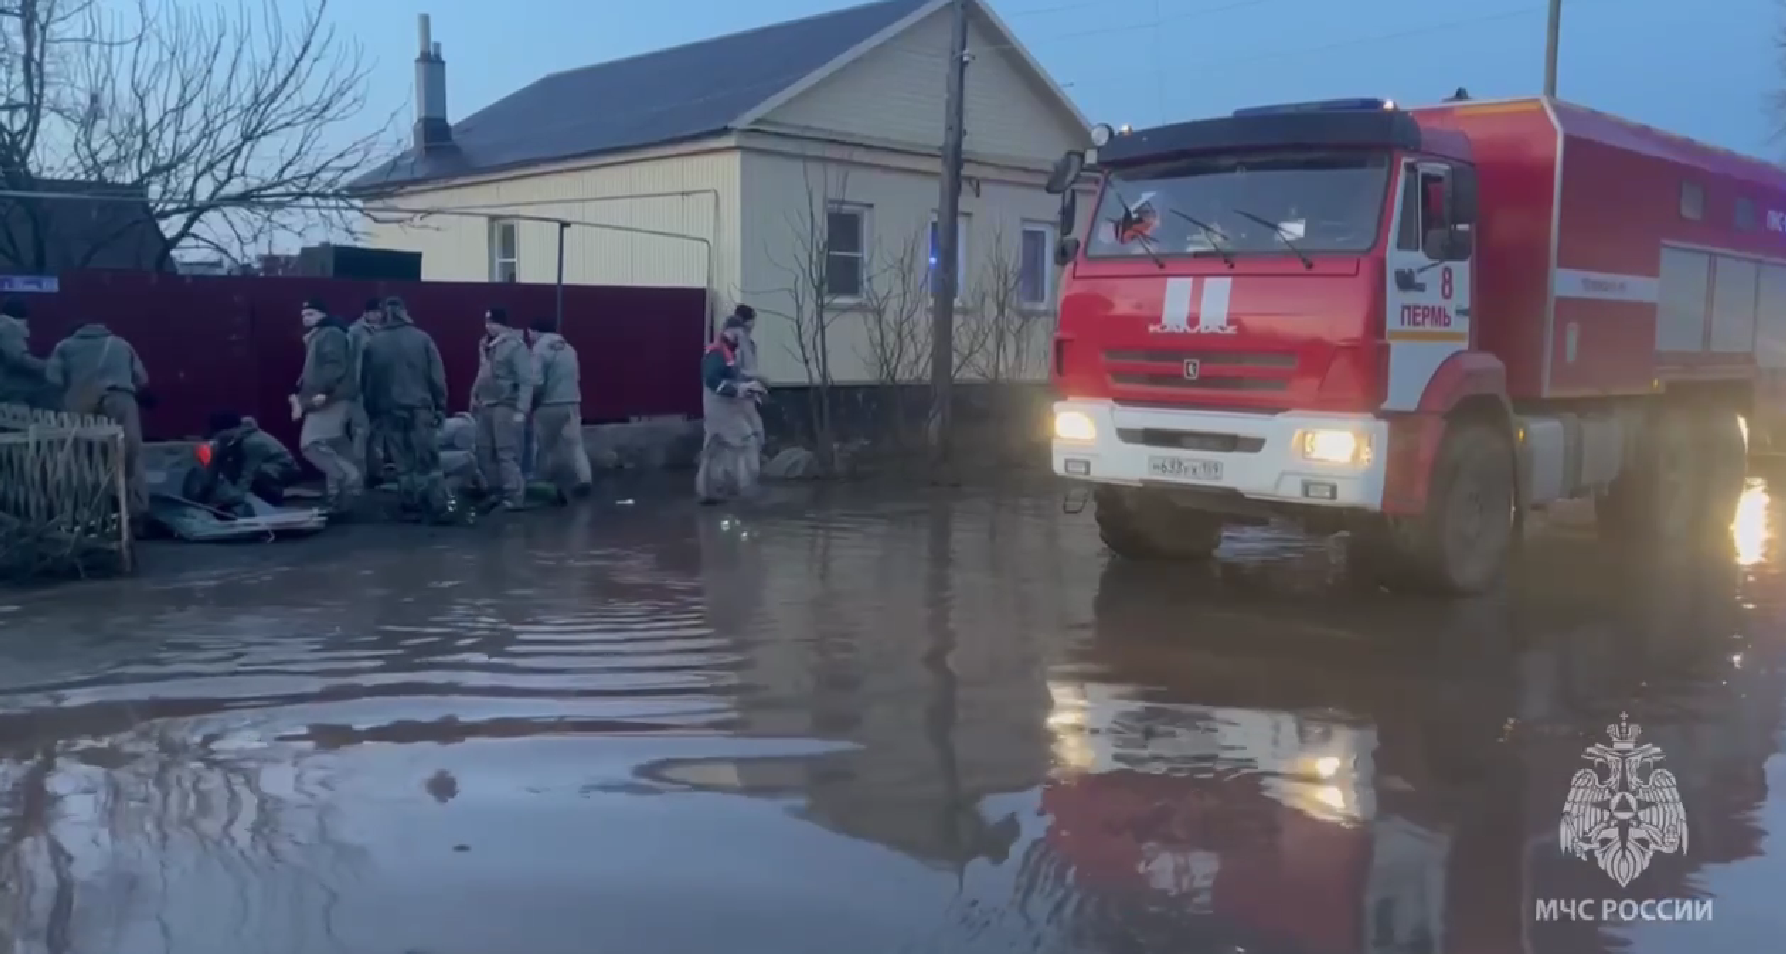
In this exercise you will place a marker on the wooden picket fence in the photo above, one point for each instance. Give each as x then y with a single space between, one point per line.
63 495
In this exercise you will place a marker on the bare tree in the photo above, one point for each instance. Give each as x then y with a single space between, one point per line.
224 124
998 340
812 301
895 314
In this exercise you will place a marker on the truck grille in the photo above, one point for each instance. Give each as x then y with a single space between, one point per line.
1190 440
1216 370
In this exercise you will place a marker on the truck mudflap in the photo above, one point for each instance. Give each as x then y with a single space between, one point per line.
1312 458
1414 441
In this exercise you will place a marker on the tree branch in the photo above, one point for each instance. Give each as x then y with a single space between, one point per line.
230 119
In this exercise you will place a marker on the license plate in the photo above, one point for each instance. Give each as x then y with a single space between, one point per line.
1184 468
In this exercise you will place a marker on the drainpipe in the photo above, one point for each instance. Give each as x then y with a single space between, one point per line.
501 212
711 194
563 227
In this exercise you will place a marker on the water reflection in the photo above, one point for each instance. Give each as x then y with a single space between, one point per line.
926 722
1398 769
1750 529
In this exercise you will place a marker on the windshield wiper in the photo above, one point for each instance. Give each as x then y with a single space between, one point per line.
1216 241
1128 215
1282 236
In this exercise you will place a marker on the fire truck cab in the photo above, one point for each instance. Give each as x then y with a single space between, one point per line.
1347 314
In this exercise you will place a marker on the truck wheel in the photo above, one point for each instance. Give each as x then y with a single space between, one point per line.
1661 499
1138 525
1461 545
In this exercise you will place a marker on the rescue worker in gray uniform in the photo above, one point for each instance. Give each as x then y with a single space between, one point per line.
406 398
746 317
326 394
731 458
23 375
100 373
243 460
359 426
500 398
558 412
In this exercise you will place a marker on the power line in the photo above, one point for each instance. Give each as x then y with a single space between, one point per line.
1104 30
1077 5
783 81
1431 28
382 214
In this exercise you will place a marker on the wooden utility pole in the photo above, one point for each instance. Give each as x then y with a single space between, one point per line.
1551 36
946 286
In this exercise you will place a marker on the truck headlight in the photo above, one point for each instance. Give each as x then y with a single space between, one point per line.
1074 426
1334 447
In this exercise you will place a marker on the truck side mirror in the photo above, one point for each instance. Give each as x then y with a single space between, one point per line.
1436 243
1065 251
1069 213
1066 172
1463 242
1460 198
1452 244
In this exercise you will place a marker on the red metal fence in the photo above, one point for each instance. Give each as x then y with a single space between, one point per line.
215 343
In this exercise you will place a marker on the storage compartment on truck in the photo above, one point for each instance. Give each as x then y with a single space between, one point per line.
1613 256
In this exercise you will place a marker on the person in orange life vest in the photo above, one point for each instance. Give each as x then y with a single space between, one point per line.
730 455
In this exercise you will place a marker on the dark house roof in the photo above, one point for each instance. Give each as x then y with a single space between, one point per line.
116 228
681 93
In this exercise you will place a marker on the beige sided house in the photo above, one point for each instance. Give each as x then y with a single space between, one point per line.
798 155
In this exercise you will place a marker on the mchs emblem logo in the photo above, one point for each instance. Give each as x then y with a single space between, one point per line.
1625 809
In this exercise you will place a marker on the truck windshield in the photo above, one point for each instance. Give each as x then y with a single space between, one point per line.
1320 201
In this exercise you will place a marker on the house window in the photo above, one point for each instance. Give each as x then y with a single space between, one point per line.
1745 215
960 257
1035 266
846 245
505 250
1692 201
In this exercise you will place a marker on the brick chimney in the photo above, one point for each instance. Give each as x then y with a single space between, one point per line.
432 133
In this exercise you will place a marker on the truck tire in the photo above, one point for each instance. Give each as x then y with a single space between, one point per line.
1461 545
1662 500
1138 525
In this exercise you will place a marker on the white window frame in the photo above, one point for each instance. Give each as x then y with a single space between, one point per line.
963 228
497 261
1046 230
861 212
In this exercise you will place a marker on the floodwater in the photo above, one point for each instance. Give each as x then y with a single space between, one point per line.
879 723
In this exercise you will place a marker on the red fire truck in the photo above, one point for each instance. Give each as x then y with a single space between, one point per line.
1415 325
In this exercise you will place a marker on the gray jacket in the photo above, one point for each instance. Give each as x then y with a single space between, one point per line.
328 363
22 374
555 363
401 370
93 361
262 454
505 373
358 334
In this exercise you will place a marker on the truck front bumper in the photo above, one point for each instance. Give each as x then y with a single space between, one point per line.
1325 460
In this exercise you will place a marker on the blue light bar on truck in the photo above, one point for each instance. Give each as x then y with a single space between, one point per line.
1318 106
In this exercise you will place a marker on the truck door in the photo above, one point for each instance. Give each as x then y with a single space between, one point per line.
1429 264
